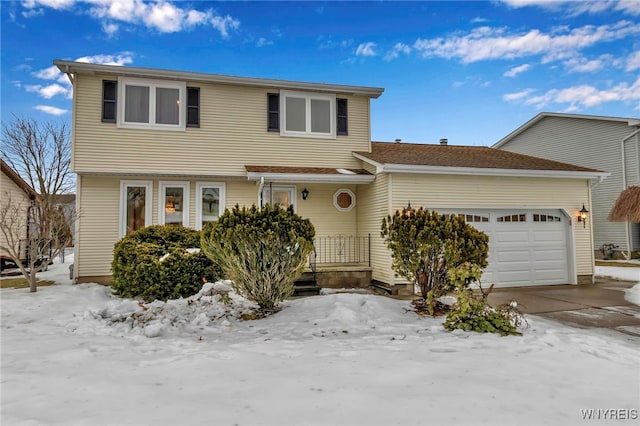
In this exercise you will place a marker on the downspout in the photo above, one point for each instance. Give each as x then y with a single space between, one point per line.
260 186
627 225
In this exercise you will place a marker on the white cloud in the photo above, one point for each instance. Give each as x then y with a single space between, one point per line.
517 70
50 73
53 4
574 8
223 25
397 49
49 91
633 61
512 97
162 15
479 20
110 28
51 110
485 43
121 59
366 49
579 97
263 42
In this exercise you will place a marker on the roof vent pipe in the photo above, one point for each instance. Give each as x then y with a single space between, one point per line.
444 141
398 140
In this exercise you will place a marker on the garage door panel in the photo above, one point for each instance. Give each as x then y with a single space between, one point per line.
550 236
526 246
511 236
513 256
540 256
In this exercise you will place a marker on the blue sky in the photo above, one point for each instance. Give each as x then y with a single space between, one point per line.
468 71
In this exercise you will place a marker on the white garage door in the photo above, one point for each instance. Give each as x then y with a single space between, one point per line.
526 247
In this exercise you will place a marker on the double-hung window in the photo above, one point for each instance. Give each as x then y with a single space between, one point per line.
307 114
174 203
155 104
209 202
135 205
282 196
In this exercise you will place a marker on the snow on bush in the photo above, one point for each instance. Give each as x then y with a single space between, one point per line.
215 303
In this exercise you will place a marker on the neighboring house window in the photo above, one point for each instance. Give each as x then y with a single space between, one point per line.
546 218
209 202
307 114
174 203
521 217
273 112
341 117
344 200
193 107
155 104
109 98
284 196
135 205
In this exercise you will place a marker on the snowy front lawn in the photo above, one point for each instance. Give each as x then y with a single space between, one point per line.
70 356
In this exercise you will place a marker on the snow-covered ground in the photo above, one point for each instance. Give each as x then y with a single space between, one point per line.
619 273
76 355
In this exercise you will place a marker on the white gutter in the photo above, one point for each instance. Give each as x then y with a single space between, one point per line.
310 178
478 171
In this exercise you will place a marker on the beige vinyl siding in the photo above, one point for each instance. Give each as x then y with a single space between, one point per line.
11 197
100 212
438 191
373 206
232 133
98 224
589 143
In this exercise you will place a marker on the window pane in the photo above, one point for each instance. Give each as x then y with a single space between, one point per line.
296 114
210 204
167 106
136 104
135 208
174 205
320 116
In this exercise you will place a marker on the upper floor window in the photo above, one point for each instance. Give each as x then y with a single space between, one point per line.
307 114
150 104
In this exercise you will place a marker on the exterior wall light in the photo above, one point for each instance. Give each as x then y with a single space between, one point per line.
305 193
583 215
408 211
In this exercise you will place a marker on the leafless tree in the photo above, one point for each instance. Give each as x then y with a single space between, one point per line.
41 155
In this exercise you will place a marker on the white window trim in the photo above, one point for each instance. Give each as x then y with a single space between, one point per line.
152 84
308 97
148 199
292 189
162 200
335 200
199 187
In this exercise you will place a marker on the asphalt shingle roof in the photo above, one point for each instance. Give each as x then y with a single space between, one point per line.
461 156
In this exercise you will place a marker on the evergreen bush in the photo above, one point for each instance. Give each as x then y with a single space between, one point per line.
262 251
142 269
471 312
425 245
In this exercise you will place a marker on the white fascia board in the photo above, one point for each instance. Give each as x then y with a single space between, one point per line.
310 178
379 166
445 170
71 67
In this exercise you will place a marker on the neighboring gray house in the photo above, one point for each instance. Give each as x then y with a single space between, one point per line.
610 144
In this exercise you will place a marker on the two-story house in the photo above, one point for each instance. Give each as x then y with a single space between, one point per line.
154 146
611 144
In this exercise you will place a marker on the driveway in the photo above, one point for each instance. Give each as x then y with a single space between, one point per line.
601 305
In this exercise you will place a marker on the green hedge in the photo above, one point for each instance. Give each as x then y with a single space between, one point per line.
262 251
139 273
